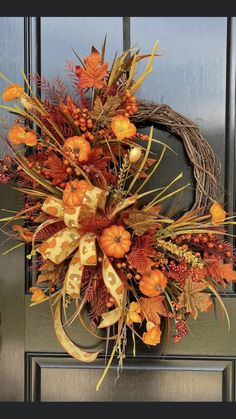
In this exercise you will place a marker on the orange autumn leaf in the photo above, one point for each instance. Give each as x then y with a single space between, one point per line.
94 72
38 295
122 127
220 271
153 307
30 138
24 233
49 272
55 169
13 91
217 213
139 221
227 272
193 299
139 259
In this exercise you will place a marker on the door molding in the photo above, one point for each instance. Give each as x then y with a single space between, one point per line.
37 363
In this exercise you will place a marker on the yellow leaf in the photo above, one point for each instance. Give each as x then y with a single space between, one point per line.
147 70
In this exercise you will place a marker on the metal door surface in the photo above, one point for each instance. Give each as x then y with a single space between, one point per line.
195 74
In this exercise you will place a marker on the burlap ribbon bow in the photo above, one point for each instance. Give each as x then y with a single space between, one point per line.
70 241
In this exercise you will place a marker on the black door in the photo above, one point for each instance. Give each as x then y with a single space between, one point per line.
196 76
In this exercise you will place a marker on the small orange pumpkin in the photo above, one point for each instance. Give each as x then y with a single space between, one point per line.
153 284
115 241
77 149
74 192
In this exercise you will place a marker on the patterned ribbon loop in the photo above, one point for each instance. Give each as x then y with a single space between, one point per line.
61 245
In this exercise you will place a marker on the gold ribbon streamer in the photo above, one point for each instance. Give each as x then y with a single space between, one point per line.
87 249
116 289
110 318
85 255
65 341
73 278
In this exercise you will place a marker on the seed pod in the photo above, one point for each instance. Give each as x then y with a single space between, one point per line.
26 103
135 155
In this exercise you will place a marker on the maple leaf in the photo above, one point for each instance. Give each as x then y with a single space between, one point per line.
92 75
153 307
49 272
37 158
194 300
217 269
55 169
227 272
24 233
139 221
140 258
103 113
97 159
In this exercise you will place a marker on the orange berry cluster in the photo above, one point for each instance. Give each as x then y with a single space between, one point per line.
143 137
80 118
130 104
129 270
208 241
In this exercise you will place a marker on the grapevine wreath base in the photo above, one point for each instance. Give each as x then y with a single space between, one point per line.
206 166
99 242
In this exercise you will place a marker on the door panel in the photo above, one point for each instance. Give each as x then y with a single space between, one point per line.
11 265
196 76
142 380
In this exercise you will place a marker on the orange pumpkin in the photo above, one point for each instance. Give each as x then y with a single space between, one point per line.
13 91
74 192
115 241
77 149
153 284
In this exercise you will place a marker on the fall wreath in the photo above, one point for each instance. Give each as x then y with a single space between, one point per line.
98 236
